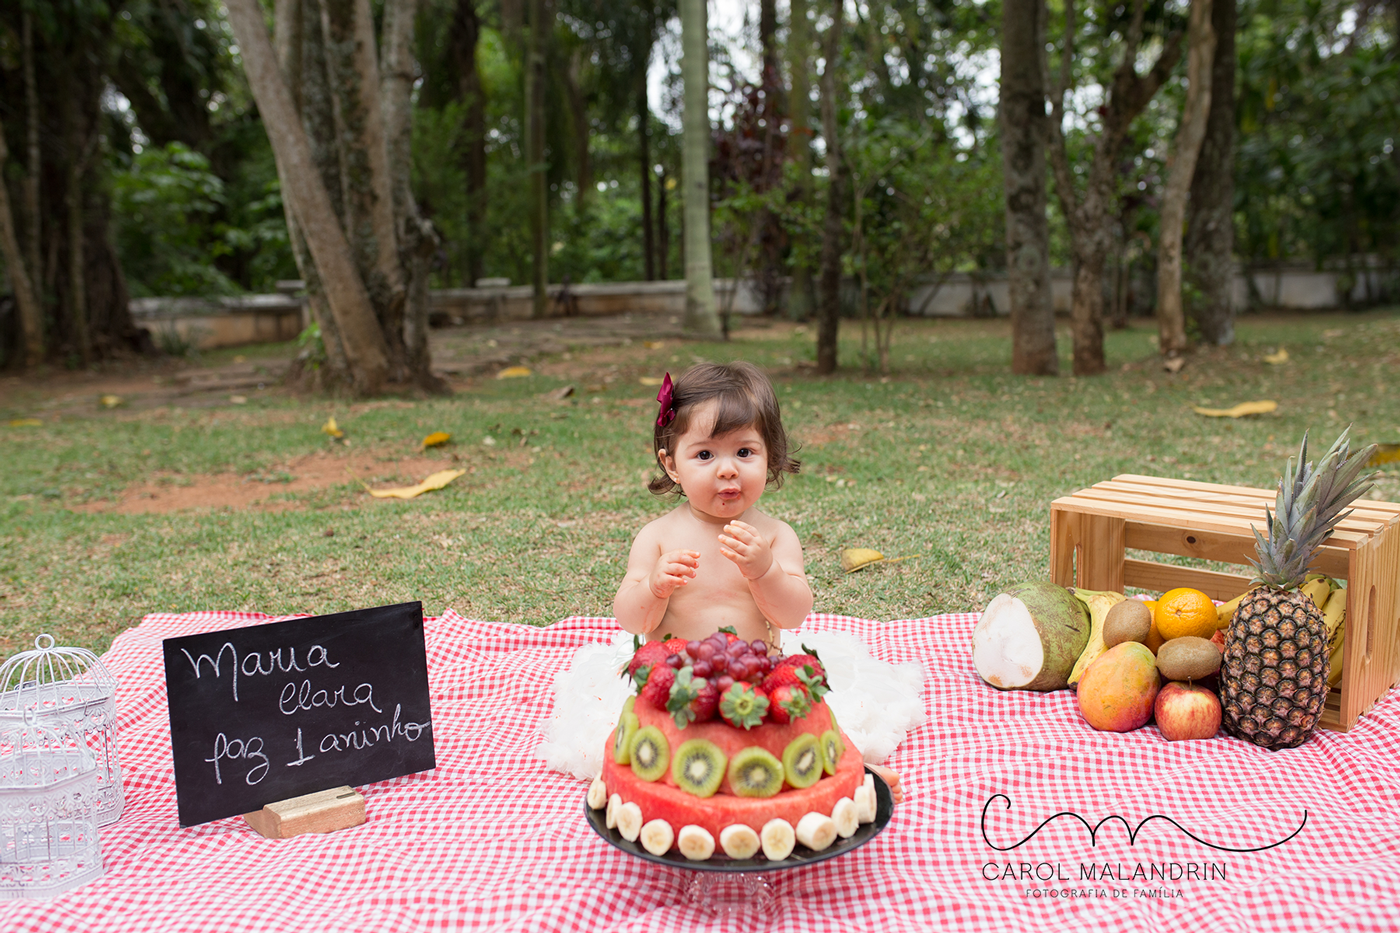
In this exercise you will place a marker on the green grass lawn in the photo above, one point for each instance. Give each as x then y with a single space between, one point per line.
948 459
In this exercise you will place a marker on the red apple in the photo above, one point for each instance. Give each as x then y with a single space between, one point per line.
1186 711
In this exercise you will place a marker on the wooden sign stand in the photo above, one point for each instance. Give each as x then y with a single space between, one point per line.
322 812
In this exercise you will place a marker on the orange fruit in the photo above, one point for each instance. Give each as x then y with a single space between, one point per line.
1184 611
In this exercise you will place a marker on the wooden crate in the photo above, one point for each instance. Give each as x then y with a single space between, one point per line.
1091 529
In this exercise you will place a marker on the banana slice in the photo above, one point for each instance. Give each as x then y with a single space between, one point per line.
865 804
695 843
816 831
610 817
846 816
739 841
597 794
869 781
629 821
778 838
657 836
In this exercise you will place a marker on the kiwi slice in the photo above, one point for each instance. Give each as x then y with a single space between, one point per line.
627 707
698 767
802 761
649 752
755 772
832 749
627 727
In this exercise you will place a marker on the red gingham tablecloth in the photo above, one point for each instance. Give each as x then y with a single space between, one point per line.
493 840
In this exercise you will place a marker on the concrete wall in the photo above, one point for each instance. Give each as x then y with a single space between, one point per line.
226 322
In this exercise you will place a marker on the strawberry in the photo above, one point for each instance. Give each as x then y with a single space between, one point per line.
780 676
808 657
649 654
675 646
743 706
788 702
693 699
656 690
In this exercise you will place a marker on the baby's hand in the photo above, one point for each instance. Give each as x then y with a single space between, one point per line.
673 569
749 550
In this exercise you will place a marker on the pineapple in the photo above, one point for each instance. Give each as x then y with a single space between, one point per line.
1273 679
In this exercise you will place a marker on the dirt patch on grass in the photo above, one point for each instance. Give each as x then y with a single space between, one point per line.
271 489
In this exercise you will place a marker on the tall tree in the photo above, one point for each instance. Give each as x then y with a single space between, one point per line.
799 47
1181 166
1210 225
17 265
465 37
357 322
701 318
538 186
829 298
1090 213
1023 128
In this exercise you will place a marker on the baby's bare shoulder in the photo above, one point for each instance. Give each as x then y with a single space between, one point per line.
768 526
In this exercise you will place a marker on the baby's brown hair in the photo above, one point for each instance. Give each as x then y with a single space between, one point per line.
745 397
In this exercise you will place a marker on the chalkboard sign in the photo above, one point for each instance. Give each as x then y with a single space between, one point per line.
264 713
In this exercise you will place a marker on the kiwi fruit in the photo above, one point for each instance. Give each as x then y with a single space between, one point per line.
1129 620
1188 658
627 727
832 749
627 706
754 772
697 767
802 761
650 753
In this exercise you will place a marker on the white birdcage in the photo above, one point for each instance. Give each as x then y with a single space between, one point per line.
71 692
48 810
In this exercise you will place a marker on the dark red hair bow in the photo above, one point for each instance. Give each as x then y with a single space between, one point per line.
667 398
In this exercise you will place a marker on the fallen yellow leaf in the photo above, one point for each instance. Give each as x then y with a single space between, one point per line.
436 438
1243 408
654 345
1277 358
514 372
1385 453
330 428
111 401
854 558
650 381
436 481
26 423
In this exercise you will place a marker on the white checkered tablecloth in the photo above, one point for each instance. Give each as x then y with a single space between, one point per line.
493 840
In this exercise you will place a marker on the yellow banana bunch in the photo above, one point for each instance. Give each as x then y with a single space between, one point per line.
1226 611
1334 615
1098 602
1317 588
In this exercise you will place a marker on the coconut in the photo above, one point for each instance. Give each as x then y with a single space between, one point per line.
1029 637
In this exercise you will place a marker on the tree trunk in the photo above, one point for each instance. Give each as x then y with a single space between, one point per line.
800 139
663 229
32 178
534 156
829 307
31 314
466 33
417 241
701 319
1210 226
1171 320
362 341
644 179
78 152
1023 172
1091 217
366 183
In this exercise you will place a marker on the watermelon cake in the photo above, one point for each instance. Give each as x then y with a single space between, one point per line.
727 750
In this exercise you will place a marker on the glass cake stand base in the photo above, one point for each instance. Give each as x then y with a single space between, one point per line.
729 895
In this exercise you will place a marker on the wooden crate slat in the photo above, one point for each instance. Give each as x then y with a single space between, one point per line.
1186 487
1149 575
1245 515
1181 518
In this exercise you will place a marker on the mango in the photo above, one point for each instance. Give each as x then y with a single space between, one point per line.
1117 691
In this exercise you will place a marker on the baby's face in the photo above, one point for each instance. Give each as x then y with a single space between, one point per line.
722 476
